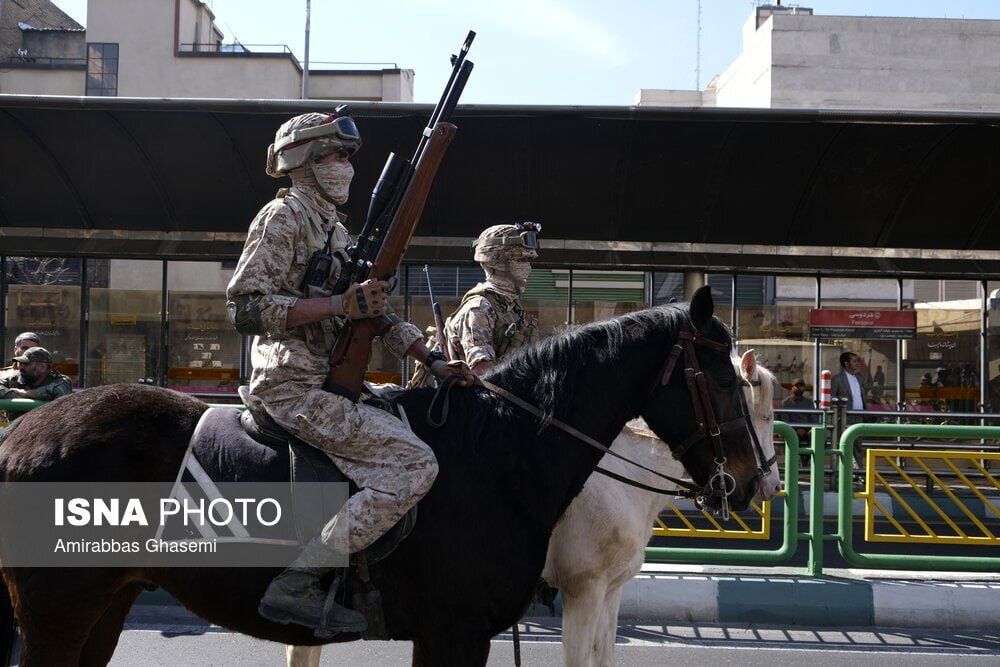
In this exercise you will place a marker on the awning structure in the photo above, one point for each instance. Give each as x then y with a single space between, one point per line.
798 191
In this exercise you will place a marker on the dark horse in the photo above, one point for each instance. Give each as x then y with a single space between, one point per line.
470 566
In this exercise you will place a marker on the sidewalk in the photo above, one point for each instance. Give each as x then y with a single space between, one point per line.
842 598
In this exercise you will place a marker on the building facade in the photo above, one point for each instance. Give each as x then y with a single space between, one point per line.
163 48
792 58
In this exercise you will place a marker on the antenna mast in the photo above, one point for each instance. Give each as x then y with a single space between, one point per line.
697 57
305 64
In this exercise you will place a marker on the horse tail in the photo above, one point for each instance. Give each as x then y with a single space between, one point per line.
8 627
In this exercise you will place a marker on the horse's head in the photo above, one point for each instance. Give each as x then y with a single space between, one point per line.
759 392
697 406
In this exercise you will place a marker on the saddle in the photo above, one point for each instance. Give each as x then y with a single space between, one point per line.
230 445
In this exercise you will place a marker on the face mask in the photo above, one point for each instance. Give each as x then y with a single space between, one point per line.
799 392
520 271
334 179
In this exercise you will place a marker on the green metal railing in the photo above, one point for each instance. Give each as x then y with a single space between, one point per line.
790 519
846 496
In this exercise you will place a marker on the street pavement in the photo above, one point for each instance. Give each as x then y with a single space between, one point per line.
157 638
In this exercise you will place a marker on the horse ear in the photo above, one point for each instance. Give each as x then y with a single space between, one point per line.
748 365
702 307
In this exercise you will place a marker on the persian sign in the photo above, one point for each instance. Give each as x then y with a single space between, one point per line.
865 324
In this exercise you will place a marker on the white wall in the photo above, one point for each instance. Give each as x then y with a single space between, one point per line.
894 63
747 82
42 81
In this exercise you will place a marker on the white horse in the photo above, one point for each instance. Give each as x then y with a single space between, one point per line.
599 543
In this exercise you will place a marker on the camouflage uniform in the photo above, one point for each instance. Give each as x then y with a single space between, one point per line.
390 464
489 324
55 385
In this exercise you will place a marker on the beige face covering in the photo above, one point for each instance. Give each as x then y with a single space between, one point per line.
334 179
510 276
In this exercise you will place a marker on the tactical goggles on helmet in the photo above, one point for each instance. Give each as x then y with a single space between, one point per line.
525 234
333 133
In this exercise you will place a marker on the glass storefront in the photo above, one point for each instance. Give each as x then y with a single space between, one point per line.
123 330
777 329
603 295
192 347
203 348
43 296
877 365
941 366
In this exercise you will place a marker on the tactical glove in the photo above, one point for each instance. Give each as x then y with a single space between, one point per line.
442 369
361 301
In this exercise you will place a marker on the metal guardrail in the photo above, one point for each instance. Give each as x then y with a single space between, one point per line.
846 494
693 522
973 468
790 518
43 60
234 48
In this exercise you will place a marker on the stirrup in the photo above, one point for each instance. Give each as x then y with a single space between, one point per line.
323 629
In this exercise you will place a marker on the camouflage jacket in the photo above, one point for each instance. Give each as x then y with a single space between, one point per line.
279 244
55 385
488 324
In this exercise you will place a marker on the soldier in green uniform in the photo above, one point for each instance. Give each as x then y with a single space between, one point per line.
490 321
35 378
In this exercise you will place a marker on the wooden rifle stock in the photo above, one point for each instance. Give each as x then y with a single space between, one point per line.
349 357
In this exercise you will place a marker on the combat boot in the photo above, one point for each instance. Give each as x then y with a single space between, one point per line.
297 596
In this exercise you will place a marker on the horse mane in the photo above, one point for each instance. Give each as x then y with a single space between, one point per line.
544 369
763 396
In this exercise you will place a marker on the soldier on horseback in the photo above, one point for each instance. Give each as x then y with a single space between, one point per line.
273 295
490 321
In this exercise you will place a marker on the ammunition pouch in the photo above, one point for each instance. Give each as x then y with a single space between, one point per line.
244 313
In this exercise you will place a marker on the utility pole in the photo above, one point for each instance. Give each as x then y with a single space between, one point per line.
305 65
697 57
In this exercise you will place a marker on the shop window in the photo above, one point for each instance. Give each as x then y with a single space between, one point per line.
203 347
123 341
667 288
603 295
772 319
43 296
941 365
877 358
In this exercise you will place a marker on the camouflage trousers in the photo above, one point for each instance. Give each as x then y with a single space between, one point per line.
391 466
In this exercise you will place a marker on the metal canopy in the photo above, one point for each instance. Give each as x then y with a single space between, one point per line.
162 172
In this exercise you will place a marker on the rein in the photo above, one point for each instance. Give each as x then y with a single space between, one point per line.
720 485
691 489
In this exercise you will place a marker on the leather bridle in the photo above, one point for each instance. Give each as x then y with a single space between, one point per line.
720 484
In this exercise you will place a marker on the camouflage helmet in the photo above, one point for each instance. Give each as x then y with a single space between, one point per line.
507 243
308 137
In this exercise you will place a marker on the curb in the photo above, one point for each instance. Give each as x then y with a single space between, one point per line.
807 601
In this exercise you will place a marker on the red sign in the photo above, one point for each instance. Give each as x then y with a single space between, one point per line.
866 324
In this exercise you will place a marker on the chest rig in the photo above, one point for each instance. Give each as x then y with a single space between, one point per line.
327 242
511 330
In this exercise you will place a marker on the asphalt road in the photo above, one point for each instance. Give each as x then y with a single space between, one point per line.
153 642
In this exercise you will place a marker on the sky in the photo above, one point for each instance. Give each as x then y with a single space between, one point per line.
533 51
